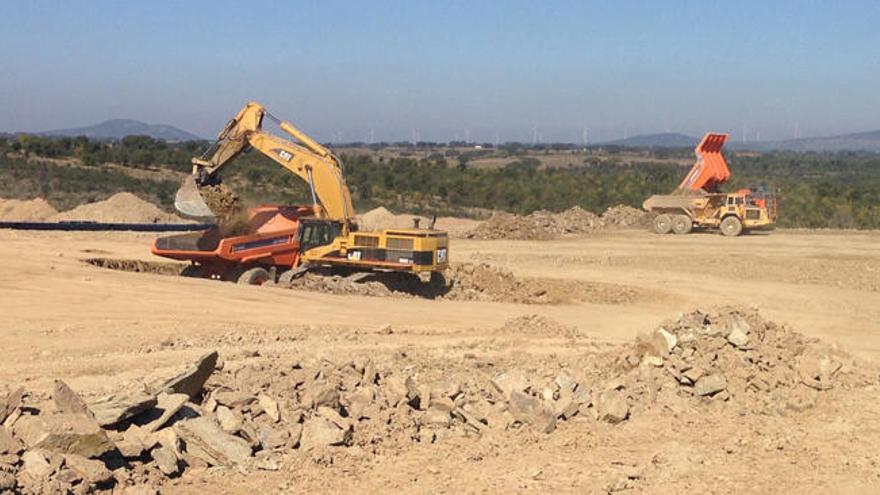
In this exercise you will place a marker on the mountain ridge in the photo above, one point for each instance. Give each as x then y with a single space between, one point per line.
119 128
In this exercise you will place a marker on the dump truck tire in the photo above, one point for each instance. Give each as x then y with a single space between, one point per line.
192 271
682 224
663 224
254 276
731 226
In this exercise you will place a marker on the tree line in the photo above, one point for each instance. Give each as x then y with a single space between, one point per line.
816 190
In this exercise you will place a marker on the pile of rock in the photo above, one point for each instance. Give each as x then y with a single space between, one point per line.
254 412
249 416
461 282
539 225
80 447
623 216
730 355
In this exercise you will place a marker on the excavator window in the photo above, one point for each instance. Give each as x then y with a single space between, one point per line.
740 200
318 234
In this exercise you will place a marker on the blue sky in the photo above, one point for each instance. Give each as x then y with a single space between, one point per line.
447 70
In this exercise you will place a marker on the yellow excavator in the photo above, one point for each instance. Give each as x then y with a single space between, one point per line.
281 242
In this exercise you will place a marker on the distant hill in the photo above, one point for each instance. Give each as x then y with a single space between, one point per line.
119 128
860 141
662 140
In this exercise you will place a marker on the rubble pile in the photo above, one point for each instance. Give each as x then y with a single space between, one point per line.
623 216
545 225
730 355
259 412
461 282
251 415
539 225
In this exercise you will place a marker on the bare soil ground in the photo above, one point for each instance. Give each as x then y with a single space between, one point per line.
105 330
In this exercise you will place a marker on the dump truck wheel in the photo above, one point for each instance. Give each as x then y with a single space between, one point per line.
193 271
731 226
663 224
682 224
254 276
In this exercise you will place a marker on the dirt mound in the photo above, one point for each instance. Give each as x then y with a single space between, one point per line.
381 218
467 282
626 217
120 208
730 355
539 225
33 210
545 225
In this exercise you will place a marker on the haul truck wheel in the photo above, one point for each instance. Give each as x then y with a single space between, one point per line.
663 224
254 276
731 227
194 271
682 224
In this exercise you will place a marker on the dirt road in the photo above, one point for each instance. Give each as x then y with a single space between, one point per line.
102 329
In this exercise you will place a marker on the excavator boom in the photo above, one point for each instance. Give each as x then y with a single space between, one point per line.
306 158
710 171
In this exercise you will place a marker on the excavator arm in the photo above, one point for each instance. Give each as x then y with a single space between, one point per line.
306 158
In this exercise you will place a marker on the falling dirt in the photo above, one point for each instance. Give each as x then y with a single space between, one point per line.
232 216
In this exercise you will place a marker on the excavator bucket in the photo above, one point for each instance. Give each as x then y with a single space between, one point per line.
710 170
190 203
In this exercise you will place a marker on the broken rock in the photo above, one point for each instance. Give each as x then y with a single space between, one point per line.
8 443
64 433
67 401
169 404
613 407
530 410
192 380
320 432
93 472
710 384
230 422
669 339
509 382
166 460
738 336
205 440
114 410
36 465
10 403
270 407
